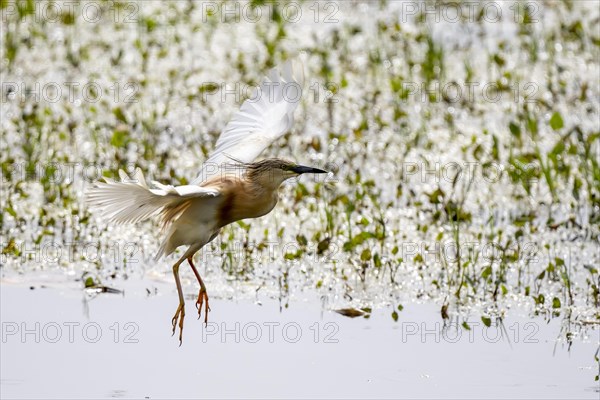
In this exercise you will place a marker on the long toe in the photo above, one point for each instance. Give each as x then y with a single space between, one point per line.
206 313
174 321
206 309
199 304
181 326
202 297
178 317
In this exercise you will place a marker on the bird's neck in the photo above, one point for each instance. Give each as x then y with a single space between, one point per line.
251 200
269 182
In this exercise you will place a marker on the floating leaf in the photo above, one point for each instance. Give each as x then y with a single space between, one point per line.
119 114
540 299
514 129
293 256
89 282
444 311
365 255
120 138
377 260
437 196
302 241
556 121
486 272
556 302
323 245
350 312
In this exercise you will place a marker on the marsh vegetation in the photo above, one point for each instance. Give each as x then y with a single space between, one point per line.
465 153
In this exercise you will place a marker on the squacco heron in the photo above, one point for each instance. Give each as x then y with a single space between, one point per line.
192 215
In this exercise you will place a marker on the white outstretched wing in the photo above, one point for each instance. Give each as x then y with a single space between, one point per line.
263 118
131 200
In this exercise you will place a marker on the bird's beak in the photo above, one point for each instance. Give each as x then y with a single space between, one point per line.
301 169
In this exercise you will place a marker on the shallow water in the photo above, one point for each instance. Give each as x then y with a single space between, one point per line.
116 345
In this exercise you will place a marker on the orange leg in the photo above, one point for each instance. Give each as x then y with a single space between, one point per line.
202 295
180 313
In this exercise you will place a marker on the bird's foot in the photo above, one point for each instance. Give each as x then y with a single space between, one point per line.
203 296
179 316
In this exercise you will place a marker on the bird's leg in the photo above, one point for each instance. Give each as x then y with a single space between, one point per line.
202 295
180 313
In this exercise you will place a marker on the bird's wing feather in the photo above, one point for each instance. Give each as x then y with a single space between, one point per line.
183 191
131 200
263 118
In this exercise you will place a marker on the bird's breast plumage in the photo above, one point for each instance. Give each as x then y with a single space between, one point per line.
241 199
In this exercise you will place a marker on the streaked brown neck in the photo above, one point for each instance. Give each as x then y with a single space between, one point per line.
246 199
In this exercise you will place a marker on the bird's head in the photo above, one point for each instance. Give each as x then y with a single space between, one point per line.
272 172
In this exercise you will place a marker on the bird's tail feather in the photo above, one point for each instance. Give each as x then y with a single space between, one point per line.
131 201
168 215
165 248
128 201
